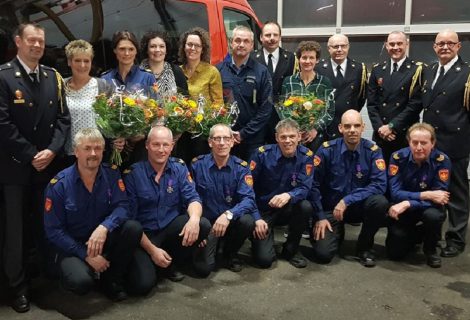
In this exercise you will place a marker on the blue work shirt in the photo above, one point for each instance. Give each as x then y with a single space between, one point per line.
407 180
227 188
274 174
136 79
344 174
251 87
72 213
157 204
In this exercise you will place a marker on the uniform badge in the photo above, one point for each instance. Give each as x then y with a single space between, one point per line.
423 185
190 179
359 175
393 169
19 97
114 167
316 161
374 147
53 181
326 144
244 163
440 158
48 205
169 188
308 169
228 199
18 74
309 153
249 180
380 163
396 156
252 165
444 175
261 149
121 185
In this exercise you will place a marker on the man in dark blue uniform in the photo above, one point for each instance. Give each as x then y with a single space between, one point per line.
224 183
349 185
282 175
446 102
280 63
34 124
249 84
348 77
163 198
418 179
86 216
394 95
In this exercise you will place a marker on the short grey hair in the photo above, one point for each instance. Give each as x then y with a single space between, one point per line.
223 125
83 134
159 128
287 123
243 28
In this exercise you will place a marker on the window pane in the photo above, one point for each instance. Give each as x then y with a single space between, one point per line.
421 48
265 9
308 13
366 12
438 11
234 18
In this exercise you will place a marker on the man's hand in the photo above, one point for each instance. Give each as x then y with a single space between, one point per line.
42 159
320 228
280 200
261 229
96 241
397 209
338 211
190 232
437 196
220 226
160 257
98 263
309 136
237 137
386 133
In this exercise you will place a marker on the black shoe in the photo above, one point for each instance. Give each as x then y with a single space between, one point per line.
450 251
173 275
367 259
115 292
20 304
234 264
433 260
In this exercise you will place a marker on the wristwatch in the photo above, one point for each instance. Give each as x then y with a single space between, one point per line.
229 215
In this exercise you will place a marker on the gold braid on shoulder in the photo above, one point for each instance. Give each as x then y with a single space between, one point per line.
362 91
466 95
59 90
416 77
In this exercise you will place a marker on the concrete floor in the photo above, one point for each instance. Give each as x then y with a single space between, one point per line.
342 290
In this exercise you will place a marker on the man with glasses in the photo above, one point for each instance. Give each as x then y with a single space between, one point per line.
348 77
394 95
282 175
225 185
446 102
249 84
34 124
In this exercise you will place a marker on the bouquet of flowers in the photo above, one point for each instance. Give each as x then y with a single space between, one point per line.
178 113
212 114
307 110
123 116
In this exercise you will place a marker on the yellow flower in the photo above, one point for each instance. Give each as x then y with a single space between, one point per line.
288 103
129 101
152 103
192 104
199 118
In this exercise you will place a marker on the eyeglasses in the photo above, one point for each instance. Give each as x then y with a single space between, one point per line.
196 46
449 44
337 46
221 139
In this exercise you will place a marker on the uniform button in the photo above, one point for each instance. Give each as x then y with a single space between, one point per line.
436 128
347 102
50 102
397 104
51 125
437 111
384 104
30 104
425 109
402 88
34 129
444 93
458 129
384 119
352 87
424 91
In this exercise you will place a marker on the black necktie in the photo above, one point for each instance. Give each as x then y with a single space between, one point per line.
395 67
270 64
33 76
339 75
441 77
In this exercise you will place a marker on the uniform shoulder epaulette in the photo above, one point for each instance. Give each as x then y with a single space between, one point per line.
329 143
48 68
441 157
127 171
6 66
106 72
374 147
396 155
241 162
177 160
264 148
114 167
306 151
199 157
58 177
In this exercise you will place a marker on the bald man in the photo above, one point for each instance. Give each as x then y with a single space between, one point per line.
348 77
348 186
446 95
394 95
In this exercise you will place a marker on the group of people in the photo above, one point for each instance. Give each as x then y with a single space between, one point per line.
124 227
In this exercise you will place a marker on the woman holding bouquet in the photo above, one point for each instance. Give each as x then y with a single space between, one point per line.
203 79
308 82
169 77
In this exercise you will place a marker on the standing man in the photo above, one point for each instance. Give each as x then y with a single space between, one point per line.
163 198
248 83
282 175
348 77
446 102
418 181
280 63
394 95
34 124
348 186
225 185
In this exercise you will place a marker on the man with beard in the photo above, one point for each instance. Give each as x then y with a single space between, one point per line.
349 185
446 102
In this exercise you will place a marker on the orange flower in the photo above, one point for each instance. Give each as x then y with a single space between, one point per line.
160 113
188 114
173 98
318 102
178 110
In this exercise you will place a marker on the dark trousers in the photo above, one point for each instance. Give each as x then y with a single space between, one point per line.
235 235
371 212
458 205
188 148
389 147
402 233
245 150
142 275
296 217
77 276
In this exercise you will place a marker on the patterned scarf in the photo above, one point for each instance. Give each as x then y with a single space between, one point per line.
165 80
